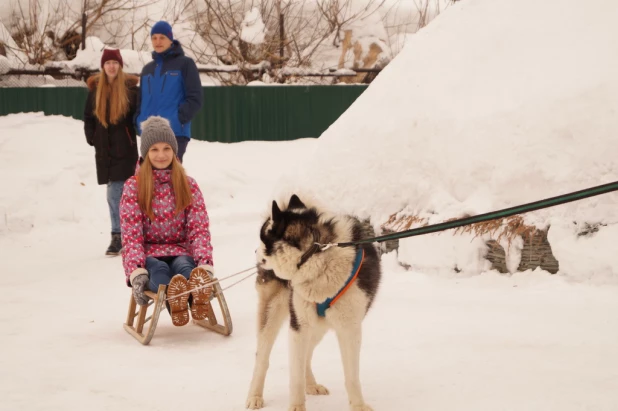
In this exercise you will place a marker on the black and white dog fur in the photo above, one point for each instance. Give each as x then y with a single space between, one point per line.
294 275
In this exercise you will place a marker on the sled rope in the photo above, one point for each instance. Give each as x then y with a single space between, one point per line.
210 283
494 215
237 282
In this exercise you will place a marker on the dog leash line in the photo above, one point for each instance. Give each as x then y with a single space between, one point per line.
493 215
239 281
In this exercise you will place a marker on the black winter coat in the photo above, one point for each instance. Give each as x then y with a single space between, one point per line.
115 146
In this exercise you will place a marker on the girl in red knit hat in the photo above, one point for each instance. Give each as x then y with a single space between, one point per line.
108 125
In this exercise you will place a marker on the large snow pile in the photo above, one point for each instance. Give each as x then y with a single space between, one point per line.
492 105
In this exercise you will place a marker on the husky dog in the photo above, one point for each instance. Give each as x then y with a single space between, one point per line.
317 289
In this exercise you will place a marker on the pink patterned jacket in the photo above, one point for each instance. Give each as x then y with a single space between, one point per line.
168 234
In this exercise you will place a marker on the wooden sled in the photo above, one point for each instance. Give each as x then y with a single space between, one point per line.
157 301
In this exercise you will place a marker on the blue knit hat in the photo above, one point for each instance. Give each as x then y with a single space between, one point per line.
162 27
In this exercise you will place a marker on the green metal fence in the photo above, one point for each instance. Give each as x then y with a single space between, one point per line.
229 114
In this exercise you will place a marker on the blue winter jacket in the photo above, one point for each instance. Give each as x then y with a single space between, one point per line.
170 87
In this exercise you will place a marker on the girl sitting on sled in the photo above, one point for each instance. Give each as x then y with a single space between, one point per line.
165 227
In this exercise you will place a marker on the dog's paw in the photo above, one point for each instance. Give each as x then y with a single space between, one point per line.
300 407
255 403
362 407
317 389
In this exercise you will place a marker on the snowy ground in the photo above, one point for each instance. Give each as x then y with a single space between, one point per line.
489 342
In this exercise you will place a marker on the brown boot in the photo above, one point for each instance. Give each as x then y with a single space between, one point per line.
178 306
200 305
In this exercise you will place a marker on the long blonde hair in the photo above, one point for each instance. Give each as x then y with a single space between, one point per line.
114 93
145 187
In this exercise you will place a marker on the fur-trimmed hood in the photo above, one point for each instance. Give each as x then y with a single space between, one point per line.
130 80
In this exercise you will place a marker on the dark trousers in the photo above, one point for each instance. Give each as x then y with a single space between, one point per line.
182 146
162 269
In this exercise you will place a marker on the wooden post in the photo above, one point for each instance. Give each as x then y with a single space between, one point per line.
84 20
281 35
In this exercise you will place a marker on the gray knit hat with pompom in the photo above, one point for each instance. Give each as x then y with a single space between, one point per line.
157 129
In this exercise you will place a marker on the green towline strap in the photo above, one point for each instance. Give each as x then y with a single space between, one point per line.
507 212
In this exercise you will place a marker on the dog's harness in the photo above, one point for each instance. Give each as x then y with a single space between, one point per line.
358 262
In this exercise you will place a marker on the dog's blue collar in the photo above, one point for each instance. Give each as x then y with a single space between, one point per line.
358 262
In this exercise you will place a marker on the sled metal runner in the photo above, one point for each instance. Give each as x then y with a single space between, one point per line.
143 327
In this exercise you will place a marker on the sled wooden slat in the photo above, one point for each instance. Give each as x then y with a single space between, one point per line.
211 322
141 319
158 300
137 318
151 295
150 302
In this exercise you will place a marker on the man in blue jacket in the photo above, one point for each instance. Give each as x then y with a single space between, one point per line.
170 86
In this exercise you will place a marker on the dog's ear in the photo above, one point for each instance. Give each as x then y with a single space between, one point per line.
295 202
276 212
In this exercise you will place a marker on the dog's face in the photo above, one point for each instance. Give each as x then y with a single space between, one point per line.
285 236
